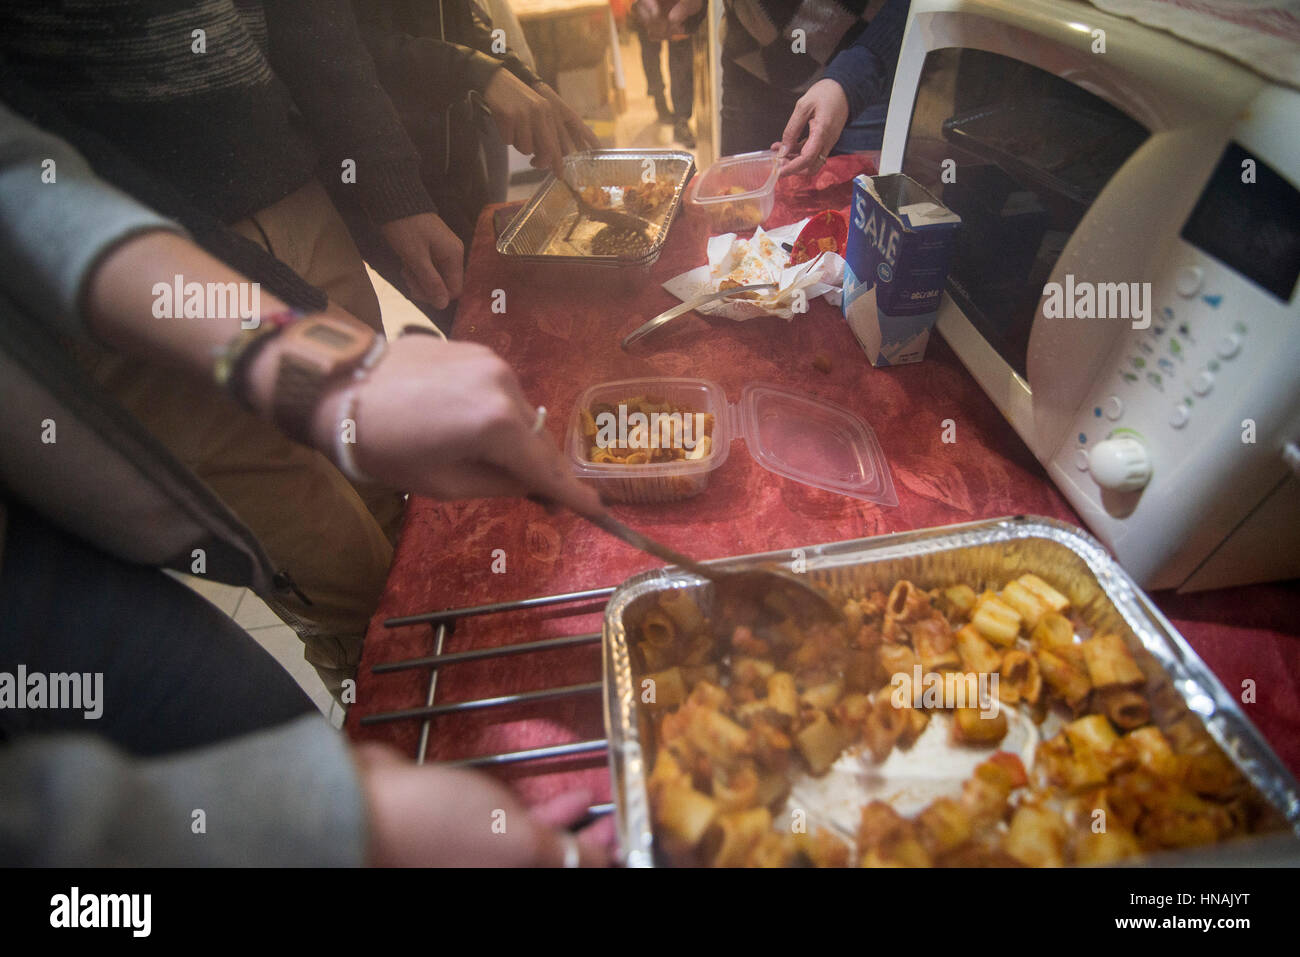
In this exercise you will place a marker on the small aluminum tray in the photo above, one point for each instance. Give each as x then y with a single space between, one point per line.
534 228
979 553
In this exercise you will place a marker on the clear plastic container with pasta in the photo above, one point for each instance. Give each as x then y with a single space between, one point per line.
654 439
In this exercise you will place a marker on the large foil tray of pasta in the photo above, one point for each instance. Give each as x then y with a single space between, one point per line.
1000 693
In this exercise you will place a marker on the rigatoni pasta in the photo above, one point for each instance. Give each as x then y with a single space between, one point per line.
739 717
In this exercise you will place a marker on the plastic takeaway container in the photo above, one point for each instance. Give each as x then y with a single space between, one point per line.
737 192
796 436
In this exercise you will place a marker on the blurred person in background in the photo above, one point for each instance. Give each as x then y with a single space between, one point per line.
825 91
190 714
652 30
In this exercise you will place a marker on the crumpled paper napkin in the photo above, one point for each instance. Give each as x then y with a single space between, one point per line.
762 259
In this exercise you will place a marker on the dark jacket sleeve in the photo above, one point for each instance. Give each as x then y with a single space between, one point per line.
866 69
481 40
316 51
425 73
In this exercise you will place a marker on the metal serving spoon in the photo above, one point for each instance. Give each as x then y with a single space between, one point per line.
611 217
732 590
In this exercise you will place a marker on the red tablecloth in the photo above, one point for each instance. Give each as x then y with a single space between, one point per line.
562 338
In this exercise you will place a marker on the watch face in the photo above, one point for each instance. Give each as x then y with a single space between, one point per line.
328 336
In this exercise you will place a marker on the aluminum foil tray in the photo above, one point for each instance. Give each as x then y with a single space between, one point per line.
979 554
552 208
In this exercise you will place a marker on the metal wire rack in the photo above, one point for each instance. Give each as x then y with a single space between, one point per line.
443 622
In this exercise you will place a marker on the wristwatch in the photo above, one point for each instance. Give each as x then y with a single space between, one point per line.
230 361
315 353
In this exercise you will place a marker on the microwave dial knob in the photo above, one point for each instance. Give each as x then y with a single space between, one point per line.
1120 464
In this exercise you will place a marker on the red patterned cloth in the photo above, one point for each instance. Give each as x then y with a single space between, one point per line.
564 336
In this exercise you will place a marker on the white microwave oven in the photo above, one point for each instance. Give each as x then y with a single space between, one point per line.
1124 285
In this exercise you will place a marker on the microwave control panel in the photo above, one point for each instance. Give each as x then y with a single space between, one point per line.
1187 424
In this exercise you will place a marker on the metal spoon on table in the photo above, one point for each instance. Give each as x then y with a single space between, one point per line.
745 586
668 315
690 305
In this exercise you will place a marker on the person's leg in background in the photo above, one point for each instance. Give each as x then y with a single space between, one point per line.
681 71
305 232
654 77
334 540
177 673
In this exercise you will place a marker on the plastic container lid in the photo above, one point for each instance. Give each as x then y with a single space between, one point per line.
795 436
814 442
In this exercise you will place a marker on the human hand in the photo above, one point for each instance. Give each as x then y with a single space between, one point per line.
450 420
447 817
534 121
648 10
682 11
654 19
433 258
575 134
824 110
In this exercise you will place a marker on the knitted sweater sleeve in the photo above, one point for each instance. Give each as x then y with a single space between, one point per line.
316 50
866 69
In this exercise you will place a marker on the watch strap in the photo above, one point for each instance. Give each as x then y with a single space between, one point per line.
298 389
300 384
230 361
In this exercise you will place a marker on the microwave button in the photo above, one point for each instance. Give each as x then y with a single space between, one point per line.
1228 346
1189 281
1180 416
1114 407
1120 464
1081 460
1203 382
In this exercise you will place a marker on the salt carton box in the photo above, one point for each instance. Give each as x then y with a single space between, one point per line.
901 241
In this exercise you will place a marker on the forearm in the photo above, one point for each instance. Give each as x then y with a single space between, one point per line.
866 69
119 311
289 796
316 50
427 74
481 39
121 293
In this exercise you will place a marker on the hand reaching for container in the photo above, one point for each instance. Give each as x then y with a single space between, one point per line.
822 111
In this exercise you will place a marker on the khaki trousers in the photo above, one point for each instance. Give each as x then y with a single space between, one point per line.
334 540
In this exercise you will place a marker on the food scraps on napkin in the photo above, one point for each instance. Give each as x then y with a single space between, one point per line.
761 258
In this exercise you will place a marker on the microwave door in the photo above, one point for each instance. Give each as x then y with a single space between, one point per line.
1022 155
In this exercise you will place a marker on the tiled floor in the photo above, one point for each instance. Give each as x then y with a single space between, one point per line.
637 126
